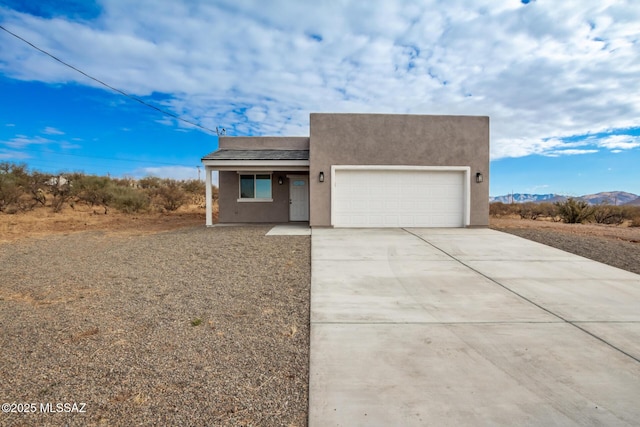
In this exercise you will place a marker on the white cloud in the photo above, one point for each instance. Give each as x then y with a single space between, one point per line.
52 131
13 155
543 72
570 152
22 141
537 188
619 142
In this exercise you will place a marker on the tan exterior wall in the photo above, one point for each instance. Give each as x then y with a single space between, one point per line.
382 139
264 142
230 210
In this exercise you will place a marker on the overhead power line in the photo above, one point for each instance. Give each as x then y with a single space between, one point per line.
146 104
118 159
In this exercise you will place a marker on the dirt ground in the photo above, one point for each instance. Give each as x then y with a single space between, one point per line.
138 325
618 246
43 222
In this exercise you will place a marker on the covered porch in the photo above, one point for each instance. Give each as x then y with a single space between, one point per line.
258 185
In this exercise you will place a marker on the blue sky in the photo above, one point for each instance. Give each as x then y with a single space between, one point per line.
558 79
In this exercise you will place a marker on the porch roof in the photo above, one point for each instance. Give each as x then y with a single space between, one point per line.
228 154
228 159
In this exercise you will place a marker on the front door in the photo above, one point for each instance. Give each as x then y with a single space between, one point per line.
298 198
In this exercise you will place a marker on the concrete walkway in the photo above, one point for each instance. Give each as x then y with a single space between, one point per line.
468 327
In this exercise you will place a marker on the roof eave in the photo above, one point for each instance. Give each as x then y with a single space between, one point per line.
256 164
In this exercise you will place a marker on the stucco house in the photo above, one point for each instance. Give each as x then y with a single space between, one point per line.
358 170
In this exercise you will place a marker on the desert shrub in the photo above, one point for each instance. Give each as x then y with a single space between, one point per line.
10 192
497 209
129 200
61 189
125 182
193 186
530 210
635 222
12 182
170 195
609 214
574 211
36 187
94 190
150 182
549 210
195 191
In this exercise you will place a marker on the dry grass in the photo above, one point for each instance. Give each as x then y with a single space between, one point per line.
615 232
43 221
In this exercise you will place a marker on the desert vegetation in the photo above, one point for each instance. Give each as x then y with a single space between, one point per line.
22 190
570 211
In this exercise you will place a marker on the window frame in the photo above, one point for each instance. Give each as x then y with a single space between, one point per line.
255 180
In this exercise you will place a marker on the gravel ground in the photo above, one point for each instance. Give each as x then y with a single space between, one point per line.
619 253
198 326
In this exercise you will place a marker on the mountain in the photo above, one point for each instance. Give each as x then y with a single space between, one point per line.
611 197
524 198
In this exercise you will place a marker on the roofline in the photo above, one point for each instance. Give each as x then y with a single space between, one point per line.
244 164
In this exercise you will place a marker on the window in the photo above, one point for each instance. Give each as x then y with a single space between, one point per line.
255 187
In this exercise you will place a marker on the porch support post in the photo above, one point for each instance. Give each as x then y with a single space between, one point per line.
208 201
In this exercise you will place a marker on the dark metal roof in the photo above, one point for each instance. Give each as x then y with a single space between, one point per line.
227 154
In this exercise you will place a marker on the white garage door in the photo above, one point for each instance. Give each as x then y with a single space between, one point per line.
398 198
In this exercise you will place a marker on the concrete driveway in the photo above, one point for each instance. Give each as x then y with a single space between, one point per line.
468 327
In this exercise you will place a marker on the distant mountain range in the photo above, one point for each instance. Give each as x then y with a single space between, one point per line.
611 197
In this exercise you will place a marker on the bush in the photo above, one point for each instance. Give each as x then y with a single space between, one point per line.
549 210
609 214
60 188
129 200
530 210
170 195
94 190
499 209
10 192
12 183
574 211
36 186
150 182
193 186
195 191
21 190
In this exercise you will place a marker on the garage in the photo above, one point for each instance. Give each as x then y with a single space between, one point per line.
400 196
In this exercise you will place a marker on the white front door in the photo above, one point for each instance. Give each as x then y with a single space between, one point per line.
298 197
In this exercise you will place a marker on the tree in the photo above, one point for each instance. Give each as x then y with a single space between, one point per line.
94 190
574 211
12 182
170 195
609 214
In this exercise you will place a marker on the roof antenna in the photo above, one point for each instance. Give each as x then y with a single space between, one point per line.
221 131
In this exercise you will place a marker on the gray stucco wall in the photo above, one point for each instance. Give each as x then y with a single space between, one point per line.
382 139
230 210
264 142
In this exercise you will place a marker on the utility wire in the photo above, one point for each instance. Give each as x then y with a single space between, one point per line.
168 113
108 158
